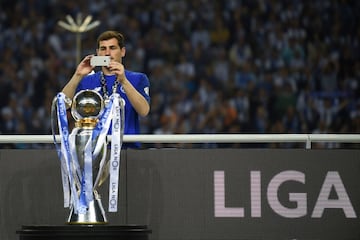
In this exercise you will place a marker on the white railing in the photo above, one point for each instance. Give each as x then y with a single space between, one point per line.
203 138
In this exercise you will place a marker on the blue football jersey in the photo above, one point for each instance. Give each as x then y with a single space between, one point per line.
140 82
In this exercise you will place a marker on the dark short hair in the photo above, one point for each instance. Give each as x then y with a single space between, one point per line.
111 34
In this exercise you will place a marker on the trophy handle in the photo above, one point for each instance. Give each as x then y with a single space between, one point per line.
104 175
103 172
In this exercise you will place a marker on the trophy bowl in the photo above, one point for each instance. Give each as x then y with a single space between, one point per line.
86 108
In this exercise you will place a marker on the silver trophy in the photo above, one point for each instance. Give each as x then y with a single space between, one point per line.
86 108
83 157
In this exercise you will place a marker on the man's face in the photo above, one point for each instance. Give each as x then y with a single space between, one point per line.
111 48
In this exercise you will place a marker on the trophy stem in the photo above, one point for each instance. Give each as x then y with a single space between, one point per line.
95 214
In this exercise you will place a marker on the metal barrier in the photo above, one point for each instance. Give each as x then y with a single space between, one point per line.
204 138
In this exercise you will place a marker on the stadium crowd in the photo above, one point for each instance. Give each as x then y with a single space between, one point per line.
232 66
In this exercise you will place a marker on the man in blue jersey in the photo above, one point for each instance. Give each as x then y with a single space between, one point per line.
133 87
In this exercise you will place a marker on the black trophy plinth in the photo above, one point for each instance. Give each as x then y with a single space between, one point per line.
88 232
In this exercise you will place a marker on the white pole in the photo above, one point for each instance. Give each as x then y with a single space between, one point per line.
202 138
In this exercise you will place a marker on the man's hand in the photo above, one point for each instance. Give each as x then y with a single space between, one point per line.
119 70
84 66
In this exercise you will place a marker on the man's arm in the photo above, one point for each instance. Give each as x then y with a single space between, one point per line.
83 69
70 87
137 100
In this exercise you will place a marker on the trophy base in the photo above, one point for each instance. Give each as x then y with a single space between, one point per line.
88 232
93 216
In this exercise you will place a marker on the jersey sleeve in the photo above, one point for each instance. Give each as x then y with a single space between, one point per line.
144 87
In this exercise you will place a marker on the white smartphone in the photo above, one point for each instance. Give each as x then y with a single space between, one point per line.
100 61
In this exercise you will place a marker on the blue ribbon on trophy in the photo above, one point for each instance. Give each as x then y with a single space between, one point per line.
65 153
116 143
84 149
